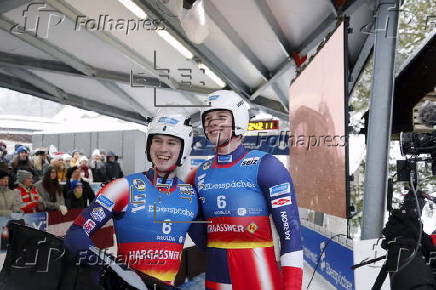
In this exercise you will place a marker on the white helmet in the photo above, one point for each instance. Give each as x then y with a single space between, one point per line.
174 125
230 101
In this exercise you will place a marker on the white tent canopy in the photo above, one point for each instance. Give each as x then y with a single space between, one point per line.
251 47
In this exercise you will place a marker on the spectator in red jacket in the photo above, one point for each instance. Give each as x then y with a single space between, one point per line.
30 198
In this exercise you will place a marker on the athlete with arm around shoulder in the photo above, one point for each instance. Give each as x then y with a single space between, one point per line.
151 210
239 189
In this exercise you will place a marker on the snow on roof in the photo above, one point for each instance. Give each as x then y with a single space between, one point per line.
418 49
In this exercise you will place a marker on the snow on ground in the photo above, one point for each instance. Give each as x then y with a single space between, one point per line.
318 282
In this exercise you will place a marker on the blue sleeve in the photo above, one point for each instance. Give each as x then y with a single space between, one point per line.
198 234
197 231
112 199
78 236
276 184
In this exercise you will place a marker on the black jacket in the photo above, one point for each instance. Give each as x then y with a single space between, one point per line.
98 171
113 171
71 201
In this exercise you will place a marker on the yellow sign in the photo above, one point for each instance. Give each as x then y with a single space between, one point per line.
263 125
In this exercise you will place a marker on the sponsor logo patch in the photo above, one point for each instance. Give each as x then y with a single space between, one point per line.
186 191
242 211
285 223
221 212
153 254
105 202
212 228
207 165
233 184
98 214
250 161
279 202
213 97
166 238
168 120
171 210
280 189
196 162
139 184
136 208
200 181
88 226
251 228
225 158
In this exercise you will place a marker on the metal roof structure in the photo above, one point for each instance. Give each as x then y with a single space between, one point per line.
51 50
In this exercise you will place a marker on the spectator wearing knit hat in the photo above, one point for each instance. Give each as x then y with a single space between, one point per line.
67 159
85 171
58 163
97 166
22 160
9 199
30 198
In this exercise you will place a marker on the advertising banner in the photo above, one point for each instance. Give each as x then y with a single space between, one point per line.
336 260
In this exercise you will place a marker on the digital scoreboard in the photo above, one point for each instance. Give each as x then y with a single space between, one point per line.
263 125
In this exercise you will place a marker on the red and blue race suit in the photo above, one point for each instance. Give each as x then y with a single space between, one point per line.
149 223
238 192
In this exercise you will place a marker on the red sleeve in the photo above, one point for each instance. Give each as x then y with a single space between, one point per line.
117 192
292 278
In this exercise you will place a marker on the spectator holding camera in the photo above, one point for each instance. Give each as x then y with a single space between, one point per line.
85 171
75 155
97 166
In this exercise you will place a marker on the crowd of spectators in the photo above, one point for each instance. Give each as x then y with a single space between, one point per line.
38 181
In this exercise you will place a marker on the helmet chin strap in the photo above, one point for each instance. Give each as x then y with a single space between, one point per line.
166 173
227 142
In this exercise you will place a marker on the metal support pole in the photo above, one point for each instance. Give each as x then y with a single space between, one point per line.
380 118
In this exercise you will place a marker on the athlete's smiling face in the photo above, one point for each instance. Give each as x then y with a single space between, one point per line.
164 151
218 126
